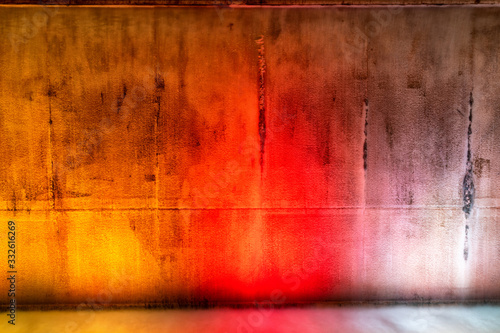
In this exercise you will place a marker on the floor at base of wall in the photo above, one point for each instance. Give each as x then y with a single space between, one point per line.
400 318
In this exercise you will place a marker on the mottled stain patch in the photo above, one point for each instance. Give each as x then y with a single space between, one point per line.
56 186
466 246
51 91
86 150
159 82
410 197
325 147
219 133
62 230
481 165
405 195
144 230
150 178
74 194
103 179
413 82
120 99
389 130
29 96
275 27
13 202
96 59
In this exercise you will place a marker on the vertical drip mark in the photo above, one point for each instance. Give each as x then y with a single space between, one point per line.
52 185
365 167
157 149
466 243
262 101
157 170
468 182
365 144
159 85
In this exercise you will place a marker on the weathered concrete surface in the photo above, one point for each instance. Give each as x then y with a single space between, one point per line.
195 155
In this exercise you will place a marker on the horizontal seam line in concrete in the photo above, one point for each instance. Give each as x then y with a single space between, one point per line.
251 208
227 304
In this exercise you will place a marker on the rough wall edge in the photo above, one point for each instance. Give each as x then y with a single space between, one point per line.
244 3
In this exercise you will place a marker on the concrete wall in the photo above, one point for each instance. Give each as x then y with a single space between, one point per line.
198 155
